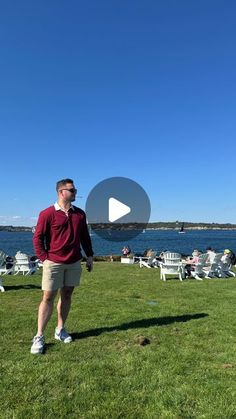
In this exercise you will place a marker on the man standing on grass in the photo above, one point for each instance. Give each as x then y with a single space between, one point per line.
60 231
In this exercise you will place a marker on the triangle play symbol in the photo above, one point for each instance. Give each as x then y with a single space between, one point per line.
117 209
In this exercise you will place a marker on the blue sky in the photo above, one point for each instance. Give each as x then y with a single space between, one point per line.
145 90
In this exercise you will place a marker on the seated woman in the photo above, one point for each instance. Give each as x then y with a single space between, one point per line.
149 253
126 251
211 255
191 261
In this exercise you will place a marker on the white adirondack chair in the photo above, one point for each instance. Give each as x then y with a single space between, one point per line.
39 263
23 265
172 265
226 267
199 272
1 285
148 261
215 268
3 267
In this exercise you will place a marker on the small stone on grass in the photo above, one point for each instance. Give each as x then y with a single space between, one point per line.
142 340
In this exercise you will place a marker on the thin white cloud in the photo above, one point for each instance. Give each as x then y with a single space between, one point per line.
17 220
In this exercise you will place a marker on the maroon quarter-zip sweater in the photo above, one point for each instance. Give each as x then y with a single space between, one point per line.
58 236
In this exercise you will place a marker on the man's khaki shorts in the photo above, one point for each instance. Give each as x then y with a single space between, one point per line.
59 275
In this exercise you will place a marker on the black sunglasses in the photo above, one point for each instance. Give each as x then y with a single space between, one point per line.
72 190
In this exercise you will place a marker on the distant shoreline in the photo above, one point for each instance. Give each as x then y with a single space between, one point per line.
137 226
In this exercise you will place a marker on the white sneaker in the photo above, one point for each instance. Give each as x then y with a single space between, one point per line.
38 345
62 335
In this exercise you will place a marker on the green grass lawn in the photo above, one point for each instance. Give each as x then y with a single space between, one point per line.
188 370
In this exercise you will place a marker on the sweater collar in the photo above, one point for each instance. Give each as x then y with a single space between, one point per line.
58 208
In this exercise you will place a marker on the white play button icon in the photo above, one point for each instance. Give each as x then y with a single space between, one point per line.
117 210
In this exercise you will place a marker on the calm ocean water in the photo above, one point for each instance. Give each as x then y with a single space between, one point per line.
158 240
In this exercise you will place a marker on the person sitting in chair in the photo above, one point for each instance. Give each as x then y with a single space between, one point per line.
191 262
229 256
126 251
211 255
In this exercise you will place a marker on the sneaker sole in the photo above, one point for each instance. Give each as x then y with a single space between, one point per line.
64 341
37 351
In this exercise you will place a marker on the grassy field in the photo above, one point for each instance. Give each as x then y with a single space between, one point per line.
187 369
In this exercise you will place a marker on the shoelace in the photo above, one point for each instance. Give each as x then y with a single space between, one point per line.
62 331
63 334
37 339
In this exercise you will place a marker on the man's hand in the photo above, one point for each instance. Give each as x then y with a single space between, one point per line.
89 263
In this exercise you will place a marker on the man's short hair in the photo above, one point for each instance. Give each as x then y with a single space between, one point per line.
63 182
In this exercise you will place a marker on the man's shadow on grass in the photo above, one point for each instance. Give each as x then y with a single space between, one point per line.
21 287
155 321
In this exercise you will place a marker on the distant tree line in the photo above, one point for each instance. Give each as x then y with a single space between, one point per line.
172 225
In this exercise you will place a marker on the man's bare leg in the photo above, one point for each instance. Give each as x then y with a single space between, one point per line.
45 310
63 306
